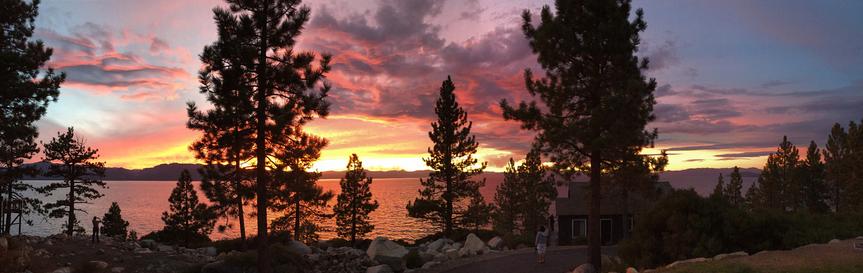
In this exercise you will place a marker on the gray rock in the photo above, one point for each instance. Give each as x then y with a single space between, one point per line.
117 270
451 254
437 244
688 261
298 248
211 251
142 251
221 267
427 256
148 243
97 265
730 255
834 241
440 257
495 243
165 248
430 264
584 268
457 245
387 252
62 270
377 269
474 244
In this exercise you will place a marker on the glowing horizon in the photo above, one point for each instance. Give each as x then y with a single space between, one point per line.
725 97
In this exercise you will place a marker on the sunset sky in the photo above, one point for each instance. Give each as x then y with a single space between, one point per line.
733 76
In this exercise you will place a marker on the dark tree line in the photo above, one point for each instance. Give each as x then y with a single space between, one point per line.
820 181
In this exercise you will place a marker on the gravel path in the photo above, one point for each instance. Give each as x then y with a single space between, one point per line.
557 260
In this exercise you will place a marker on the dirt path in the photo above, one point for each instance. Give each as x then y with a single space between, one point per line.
558 260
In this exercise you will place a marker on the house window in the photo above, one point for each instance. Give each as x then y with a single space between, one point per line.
579 228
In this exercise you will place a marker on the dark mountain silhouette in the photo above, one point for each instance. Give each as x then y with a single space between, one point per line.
702 180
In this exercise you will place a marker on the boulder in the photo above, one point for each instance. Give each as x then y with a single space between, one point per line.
495 243
427 256
96 265
730 255
299 248
378 269
465 252
430 264
456 245
148 243
631 270
221 267
834 241
142 250
451 254
62 270
164 248
387 252
437 244
474 244
584 268
688 261
117 270
440 257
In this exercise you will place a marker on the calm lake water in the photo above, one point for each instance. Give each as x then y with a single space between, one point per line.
142 204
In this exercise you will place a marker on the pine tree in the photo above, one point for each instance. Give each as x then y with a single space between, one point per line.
227 139
26 88
719 190
854 184
596 101
303 203
813 187
836 161
507 200
734 190
187 218
452 163
779 183
477 214
635 177
113 223
75 164
354 202
287 86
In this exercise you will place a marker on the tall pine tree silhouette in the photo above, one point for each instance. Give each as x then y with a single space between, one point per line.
113 223
813 188
452 163
287 86
228 131
26 88
75 163
733 192
596 100
522 200
187 218
354 202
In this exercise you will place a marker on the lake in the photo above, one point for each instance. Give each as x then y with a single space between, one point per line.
142 204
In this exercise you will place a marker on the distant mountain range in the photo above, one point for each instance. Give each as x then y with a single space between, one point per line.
702 180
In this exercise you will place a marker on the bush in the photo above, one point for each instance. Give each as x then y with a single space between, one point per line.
113 223
684 225
175 237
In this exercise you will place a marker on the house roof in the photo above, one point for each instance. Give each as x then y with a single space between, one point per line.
576 203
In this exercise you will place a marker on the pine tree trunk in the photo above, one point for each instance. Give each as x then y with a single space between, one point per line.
263 249
71 225
593 226
242 214
297 215
8 227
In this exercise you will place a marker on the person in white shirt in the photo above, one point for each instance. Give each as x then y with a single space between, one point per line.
541 243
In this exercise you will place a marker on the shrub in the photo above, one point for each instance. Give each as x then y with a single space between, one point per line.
684 225
113 223
177 237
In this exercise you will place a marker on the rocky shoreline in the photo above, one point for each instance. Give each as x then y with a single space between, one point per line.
64 254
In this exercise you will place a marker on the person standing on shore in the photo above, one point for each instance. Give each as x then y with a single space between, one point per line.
96 222
541 243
